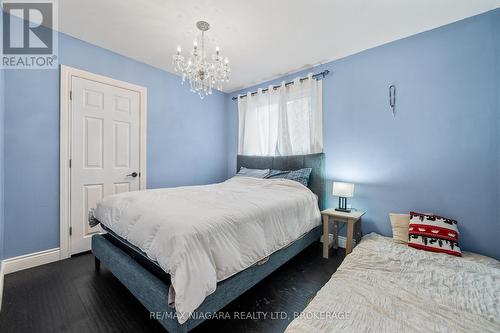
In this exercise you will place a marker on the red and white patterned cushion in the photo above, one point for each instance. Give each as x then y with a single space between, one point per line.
433 233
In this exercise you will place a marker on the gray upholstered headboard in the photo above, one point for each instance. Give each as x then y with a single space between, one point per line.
314 161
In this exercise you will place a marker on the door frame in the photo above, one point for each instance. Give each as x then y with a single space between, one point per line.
67 73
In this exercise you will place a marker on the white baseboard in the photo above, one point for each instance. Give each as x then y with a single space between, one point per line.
341 239
30 260
2 265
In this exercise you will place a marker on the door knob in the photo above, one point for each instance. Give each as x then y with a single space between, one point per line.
133 174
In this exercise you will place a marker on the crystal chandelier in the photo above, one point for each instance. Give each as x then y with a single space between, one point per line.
204 73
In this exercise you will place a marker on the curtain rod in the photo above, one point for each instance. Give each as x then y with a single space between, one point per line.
322 74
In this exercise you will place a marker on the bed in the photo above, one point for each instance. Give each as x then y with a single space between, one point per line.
145 274
387 287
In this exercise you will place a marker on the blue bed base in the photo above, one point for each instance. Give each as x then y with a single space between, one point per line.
153 293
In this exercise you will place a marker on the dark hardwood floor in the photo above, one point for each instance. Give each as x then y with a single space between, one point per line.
69 296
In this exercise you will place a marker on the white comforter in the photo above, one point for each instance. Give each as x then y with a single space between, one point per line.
204 234
386 287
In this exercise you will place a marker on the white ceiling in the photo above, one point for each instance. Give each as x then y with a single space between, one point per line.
263 39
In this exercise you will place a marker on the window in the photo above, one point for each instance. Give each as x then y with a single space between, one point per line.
283 121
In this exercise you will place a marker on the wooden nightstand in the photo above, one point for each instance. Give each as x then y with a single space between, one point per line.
349 218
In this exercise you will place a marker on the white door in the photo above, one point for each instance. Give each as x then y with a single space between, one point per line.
105 150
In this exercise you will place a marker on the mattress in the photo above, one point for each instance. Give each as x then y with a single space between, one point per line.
201 235
387 287
137 255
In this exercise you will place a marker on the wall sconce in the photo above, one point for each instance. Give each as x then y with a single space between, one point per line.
392 99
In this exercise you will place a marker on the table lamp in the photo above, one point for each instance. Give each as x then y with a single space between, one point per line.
343 191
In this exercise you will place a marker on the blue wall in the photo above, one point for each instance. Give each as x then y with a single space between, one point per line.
497 38
441 153
2 159
187 139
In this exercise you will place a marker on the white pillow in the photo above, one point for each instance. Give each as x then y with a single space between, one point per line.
400 224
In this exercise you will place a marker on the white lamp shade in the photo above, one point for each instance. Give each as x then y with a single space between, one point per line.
345 190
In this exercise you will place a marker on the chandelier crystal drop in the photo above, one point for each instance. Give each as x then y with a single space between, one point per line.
204 73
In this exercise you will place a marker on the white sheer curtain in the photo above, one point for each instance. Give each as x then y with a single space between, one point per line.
283 121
